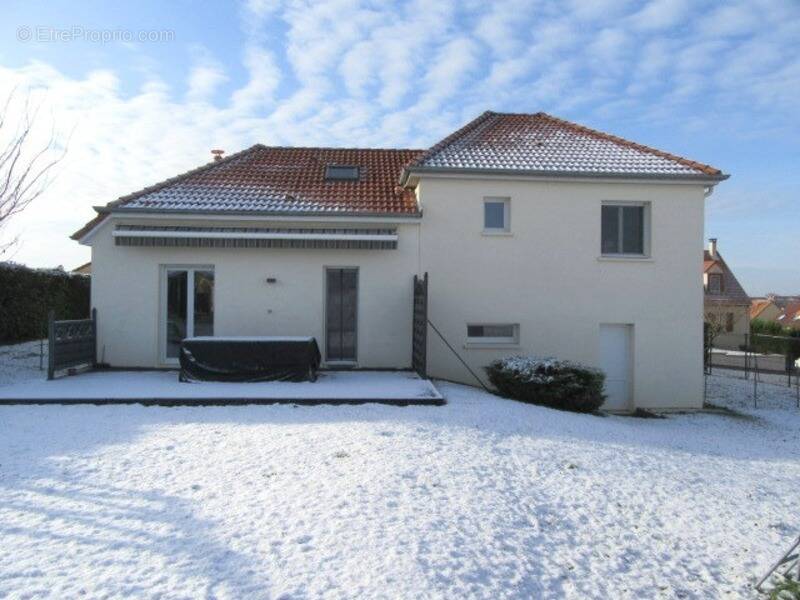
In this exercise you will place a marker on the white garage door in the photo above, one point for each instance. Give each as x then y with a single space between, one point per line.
616 359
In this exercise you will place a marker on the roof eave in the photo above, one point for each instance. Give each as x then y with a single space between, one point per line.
699 177
265 213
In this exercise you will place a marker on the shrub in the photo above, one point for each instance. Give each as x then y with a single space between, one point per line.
766 327
788 589
27 295
550 382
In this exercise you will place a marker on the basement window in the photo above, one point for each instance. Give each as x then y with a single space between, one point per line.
503 333
342 173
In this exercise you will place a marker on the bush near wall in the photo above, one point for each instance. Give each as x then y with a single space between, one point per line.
549 382
27 295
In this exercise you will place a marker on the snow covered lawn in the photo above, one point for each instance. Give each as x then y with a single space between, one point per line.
20 362
482 497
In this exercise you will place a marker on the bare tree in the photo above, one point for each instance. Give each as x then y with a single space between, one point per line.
715 325
26 164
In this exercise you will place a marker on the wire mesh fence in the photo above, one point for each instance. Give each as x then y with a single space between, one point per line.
763 358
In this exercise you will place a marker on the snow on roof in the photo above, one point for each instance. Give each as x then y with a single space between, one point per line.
542 143
279 180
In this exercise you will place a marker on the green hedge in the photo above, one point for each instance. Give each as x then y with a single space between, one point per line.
27 295
555 383
769 337
761 326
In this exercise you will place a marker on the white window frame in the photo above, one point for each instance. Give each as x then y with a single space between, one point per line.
506 202
646 217
493 342
162 306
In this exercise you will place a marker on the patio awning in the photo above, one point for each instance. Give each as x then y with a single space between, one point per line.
253 237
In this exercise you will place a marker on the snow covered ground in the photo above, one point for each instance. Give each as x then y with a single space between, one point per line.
483 497
20 362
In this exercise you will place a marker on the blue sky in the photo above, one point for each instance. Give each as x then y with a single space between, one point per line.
717 82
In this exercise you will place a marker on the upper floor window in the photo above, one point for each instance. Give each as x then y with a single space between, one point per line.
624 229
342 173
496 215
715 283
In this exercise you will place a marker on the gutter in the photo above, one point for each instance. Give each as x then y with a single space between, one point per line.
583 175
320 214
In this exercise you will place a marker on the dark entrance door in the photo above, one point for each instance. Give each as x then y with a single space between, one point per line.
341 314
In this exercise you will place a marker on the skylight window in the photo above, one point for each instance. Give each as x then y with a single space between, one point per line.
341 173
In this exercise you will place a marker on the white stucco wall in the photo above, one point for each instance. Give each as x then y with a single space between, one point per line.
125 291
548 277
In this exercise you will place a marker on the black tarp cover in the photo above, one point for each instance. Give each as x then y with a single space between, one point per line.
241 359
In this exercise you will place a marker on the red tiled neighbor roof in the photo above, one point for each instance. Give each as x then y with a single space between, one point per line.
281 180
757 307
790 316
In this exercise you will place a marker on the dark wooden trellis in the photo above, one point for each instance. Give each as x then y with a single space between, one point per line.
419 333
71 343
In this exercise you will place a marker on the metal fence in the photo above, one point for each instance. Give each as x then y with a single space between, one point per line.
71 343
419 333
758 357
748 352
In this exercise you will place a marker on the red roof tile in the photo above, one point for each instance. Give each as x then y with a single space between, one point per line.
545 144
281 180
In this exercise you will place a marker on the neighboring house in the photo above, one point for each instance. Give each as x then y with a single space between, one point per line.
726 304
764 309
790 316
84 269
540 237
784 310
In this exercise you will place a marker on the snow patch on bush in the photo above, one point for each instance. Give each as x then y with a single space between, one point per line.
534 369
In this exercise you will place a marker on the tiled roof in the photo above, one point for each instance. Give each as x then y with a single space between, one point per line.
541 143
732 291
790 317
757 307
279 180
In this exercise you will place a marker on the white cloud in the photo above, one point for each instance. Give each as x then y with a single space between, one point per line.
607 50
731 19
264 77
660 14
359 72
204 79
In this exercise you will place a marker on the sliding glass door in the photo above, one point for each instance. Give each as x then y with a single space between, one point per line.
187 307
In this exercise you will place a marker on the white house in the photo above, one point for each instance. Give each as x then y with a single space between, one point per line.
539 236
